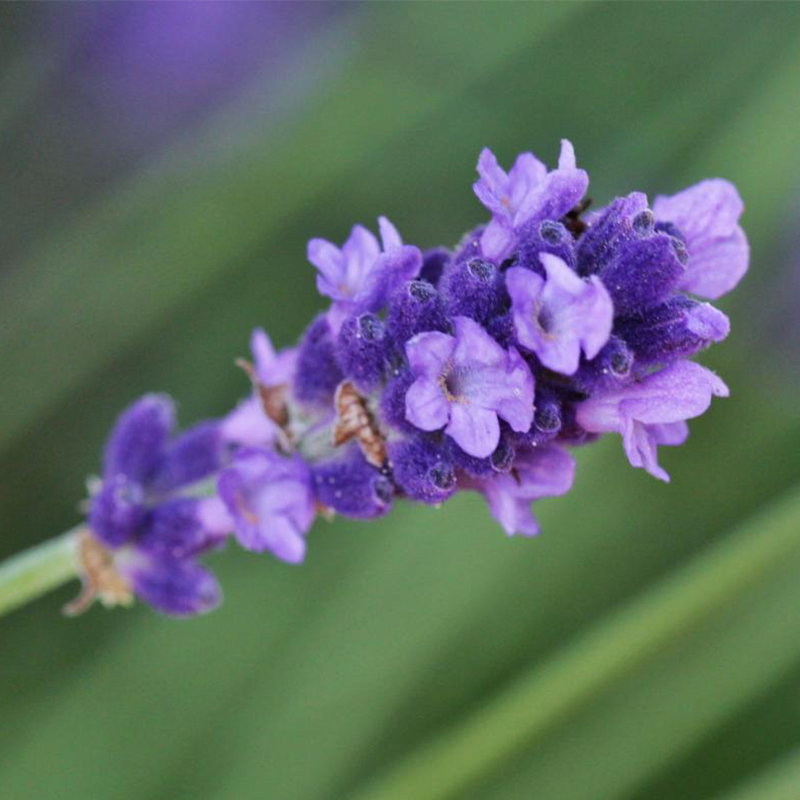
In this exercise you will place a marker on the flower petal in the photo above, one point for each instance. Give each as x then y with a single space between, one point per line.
475 430
426 405
707 214
429 353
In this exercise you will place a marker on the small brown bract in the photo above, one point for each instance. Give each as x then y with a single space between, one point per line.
354 421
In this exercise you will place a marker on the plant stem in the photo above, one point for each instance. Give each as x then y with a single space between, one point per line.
32 573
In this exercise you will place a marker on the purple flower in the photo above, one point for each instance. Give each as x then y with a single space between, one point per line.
361 274
177 587
538 472
273 368
707 217
248 424
151 530
466 382
270 499
558 317
526 192
652 411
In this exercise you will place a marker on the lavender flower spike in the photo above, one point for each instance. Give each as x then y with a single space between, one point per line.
466 382
558 317
470 370
707 218
653 411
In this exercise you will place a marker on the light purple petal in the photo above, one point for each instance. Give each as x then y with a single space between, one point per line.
493 184
390 238
248 425
506 389
708 323
328 259
360 252
497 241
272 368
429 353
707 214
475 430
650 412
669 433
389 272
526 174
557 194
541 472
214 517
558 318
343 272
426 405
475 346
270 500
566 158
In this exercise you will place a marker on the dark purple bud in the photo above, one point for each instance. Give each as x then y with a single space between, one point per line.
414 308
352 487
671 230
503 457
422 469
474 289
499 461
501 328
675 329
571 431
547 416
433 263
139 438
612 228
117 511
393 401
318 373
610 366
642 273
545 237
175 587
644 223
175 530
362 350
194 455
469 246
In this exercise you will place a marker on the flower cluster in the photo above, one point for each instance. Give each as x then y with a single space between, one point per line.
432 372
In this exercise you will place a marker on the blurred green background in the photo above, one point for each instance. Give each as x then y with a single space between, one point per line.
161 168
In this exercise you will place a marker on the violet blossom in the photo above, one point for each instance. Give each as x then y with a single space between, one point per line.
561 316
652 411
467 382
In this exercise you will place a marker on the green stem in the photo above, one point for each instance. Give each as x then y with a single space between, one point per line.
32 573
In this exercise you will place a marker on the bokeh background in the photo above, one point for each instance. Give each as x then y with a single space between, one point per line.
161 168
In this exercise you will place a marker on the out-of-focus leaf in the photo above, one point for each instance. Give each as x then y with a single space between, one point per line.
689 624
779 781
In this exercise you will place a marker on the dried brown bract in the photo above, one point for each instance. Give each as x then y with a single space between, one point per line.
354 421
